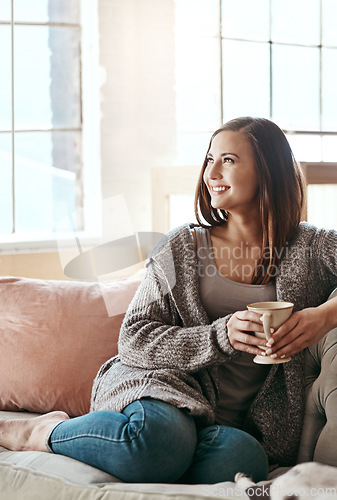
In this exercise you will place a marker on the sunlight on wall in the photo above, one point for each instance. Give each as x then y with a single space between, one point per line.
322 205
181 209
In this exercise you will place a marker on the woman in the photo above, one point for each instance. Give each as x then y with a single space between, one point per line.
183 401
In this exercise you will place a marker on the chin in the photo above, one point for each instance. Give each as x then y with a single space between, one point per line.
218 207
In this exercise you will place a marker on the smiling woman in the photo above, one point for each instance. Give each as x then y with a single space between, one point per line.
265 184
291 68
230 174
184 399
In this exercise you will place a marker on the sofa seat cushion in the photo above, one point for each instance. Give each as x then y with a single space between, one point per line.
18 483
54 336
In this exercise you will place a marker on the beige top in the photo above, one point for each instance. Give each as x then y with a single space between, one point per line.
240 379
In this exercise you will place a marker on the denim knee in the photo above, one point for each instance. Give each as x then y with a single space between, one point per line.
165 443
149 441
224 451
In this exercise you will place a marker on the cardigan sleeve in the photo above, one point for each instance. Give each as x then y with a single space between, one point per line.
152 337
326 253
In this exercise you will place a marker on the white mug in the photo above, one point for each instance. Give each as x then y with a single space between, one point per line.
274 314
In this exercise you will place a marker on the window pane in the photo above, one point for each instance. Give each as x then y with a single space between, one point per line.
6 219
322 205
329 16
197 83
329 148
305 147
47 77
197 17
43 11
44 193
5 10
57 149
47 162
192 147
245 19
5 78
245 79
329 89
296 22
296 87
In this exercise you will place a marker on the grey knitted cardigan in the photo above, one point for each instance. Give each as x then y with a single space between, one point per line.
169 350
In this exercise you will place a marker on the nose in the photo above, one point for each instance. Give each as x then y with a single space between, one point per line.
214 170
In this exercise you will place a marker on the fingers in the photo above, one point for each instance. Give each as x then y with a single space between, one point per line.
249 348
287 345
247 321
241 328
286 341
289 350
249 316
248 343
286 333
299 331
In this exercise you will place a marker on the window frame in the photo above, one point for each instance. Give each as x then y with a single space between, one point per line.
16 242
323 172
318 173
271 43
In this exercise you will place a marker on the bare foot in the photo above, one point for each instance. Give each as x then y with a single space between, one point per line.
29 434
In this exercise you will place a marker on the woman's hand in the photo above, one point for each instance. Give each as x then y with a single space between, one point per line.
241 328
302 329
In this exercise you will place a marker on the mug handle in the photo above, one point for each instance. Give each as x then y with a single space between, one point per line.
266 320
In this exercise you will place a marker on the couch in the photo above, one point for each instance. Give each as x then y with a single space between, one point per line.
54 336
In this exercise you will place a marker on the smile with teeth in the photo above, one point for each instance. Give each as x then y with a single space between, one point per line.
218 189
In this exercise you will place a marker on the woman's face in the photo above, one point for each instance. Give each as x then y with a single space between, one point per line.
230 174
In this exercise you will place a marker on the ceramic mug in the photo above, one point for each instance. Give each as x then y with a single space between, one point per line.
274 314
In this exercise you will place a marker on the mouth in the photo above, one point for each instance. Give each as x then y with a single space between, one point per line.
219 189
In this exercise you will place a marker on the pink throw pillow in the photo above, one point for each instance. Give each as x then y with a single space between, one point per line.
54 336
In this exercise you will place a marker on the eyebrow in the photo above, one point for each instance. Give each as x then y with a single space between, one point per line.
225 154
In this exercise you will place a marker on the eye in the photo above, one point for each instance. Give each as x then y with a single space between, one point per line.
228 159
209 160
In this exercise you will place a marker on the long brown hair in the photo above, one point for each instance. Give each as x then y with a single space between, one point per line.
281 189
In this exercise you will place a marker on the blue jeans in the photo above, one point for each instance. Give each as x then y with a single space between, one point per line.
153 441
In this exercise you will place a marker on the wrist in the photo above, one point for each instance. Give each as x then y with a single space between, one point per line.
329 314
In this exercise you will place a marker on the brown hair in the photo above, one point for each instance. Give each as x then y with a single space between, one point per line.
281 191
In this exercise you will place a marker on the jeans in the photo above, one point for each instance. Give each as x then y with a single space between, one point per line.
153 441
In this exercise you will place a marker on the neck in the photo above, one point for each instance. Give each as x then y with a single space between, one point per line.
244 228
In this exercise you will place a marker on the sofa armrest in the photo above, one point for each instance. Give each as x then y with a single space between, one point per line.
320 423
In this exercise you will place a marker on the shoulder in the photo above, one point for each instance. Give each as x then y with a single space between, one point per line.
175 258
177 239
309 234
313 246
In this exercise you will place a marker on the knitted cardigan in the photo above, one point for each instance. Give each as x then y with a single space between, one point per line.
169 350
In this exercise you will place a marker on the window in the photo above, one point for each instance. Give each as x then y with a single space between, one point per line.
271 58
41 117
